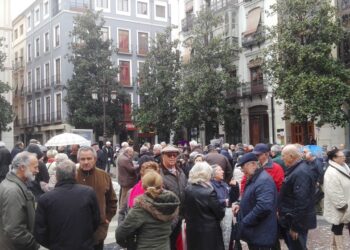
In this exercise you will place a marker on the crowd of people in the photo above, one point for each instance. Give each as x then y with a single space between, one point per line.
171 197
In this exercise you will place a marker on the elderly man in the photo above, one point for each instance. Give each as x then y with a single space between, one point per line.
67 217
174 180
127 176
296 204
275 152
258 206
17 204
261 150
88 174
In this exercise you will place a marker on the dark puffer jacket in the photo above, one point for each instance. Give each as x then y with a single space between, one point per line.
150 222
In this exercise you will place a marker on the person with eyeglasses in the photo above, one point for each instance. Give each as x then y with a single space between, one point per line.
336 187
174 180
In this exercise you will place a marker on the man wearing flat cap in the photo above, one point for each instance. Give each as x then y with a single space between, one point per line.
258 207
174 180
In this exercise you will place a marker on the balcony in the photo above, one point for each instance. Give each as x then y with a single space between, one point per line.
124 51
18 65
222 4
38 87
187 23
41 120
46 84
254 39
56 81
28 90
254 88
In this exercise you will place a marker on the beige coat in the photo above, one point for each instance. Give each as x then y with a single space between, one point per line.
337 195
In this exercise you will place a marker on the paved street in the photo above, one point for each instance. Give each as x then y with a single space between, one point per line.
319 239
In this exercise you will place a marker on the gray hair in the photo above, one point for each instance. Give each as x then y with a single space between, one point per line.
201 172
157 147
85 149
51 153
226 146
143 149
276 148
61 157
193 143
65 170
22 159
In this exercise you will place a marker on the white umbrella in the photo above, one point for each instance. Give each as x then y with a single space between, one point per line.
67 139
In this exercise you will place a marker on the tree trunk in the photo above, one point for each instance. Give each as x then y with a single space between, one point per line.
305 132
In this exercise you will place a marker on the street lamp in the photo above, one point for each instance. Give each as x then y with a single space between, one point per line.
104 96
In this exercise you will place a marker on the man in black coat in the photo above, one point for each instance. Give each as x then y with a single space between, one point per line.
296 204
67 217
5 161
17 149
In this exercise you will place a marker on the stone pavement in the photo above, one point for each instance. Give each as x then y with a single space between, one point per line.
319 238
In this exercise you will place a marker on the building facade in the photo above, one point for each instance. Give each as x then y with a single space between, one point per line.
130 24
6 75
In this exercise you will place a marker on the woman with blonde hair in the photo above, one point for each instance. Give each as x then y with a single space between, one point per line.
148 223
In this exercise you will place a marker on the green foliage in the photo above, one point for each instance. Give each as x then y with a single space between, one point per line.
93 70
158 87
6 114
209 77
312 83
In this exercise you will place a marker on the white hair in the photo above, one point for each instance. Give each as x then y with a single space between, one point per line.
61 157
201 172
125 144
193 143
276 148
22 159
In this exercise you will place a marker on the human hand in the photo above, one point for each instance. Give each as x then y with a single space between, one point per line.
233 182
293 234
235 209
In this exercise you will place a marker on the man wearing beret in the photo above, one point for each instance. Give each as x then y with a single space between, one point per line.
258 207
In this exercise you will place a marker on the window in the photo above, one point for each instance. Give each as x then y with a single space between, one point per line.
102 4
29 112
58 71
56 36
256 75
15 34
46 42
47 74
59 106
38 110
29 52
37 78
160 11
37 16
253 21
127 111
29 22
29 81
123 41
123 6
46 9
21 29
37 47
142 8
124 72
142 39
105 33
48 108
21 55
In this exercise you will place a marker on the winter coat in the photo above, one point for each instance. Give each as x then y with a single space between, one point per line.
17 215
15 151
274 170
258 207
336 188
278 159
150 221
175 183
101 161
296 199
216 158
222 191
203 214
5 161
127 176
67 217
101 183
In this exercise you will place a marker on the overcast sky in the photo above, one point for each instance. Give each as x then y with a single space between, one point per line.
17 6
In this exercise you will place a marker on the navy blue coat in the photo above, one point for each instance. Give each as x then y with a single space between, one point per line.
258 208
296 199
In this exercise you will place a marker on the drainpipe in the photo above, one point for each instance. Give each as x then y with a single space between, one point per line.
273 119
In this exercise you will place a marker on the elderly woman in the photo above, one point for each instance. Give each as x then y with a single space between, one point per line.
151 217
337 195
51 167
203 211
